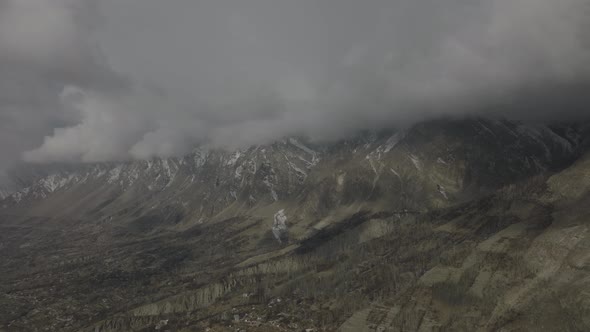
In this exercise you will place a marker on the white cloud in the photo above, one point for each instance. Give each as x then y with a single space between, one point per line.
235 72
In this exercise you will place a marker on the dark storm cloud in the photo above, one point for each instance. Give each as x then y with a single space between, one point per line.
99 80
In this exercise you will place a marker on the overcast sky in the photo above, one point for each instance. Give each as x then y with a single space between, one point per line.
97 80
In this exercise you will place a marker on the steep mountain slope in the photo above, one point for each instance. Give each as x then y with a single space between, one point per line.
453 224
461 155
516 261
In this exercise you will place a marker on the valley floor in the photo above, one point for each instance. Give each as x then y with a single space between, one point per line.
495 264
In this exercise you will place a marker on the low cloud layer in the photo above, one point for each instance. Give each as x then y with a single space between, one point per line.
98 80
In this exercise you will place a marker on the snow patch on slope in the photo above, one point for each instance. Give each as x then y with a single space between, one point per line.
442 191
234 158
314 155
271 188
54 182
382 149
201 156
393 141
395 173
238 172
416 161
115 174
297 144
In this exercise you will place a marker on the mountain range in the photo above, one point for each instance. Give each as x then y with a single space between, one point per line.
467 224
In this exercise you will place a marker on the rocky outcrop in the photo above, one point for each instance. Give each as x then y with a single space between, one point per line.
279 226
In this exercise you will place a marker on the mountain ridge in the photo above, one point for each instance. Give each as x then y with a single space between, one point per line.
303 159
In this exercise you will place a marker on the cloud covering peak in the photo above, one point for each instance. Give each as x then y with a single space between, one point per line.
97 80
